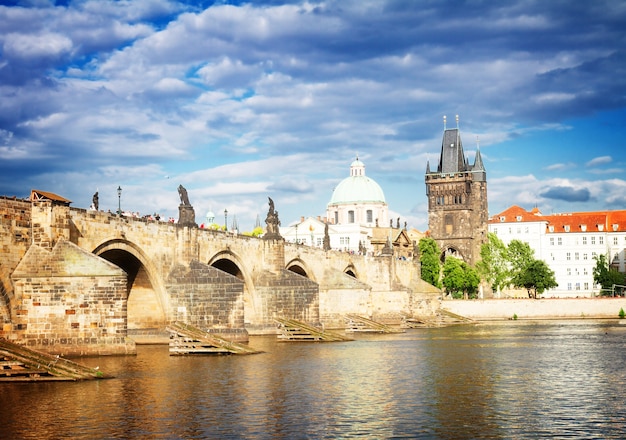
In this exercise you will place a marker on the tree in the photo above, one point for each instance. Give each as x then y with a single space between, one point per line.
605 276
472 281
536 278
493 265
256 232
519 255
429 260
459 278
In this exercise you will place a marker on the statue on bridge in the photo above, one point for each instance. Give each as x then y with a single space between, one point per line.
95 202
186 213
184 198
326 241
272 222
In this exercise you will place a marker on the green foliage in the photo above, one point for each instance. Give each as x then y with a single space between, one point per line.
515 265
514 316
519 255
429 259
605 276
256 232
621 313
459 278
493 265
536 278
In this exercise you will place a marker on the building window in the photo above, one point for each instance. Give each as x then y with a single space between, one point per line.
576 256
584 240
336 217
569 286
577 286
586 286
350 216
560 241
569 271
344 241
593 240
551 241
601 240
615 241
568 256
585 256
370 216
584 271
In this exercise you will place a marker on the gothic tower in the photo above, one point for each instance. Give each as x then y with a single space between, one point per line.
457 199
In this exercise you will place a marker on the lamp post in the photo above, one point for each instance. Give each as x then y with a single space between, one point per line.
226 220
119 200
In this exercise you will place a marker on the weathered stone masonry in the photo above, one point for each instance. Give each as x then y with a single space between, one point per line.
74 281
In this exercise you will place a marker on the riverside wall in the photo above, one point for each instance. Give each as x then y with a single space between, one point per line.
548 308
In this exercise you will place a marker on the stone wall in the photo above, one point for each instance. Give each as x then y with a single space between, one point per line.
284 295
502 309
208 298
69 302
14 242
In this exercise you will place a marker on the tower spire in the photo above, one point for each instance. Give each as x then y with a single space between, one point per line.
444 122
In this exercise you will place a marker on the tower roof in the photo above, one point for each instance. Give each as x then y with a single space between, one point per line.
452 159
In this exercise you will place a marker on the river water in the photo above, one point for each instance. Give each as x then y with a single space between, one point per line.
513 380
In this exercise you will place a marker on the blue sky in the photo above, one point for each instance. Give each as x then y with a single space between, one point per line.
240 101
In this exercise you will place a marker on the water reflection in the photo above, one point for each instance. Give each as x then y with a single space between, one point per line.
508 380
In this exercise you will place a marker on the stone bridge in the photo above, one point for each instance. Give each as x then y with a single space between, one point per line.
76 281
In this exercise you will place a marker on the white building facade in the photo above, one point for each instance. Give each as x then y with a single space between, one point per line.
356 207
567 243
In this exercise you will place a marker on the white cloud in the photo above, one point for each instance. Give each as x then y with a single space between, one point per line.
601 160
46 45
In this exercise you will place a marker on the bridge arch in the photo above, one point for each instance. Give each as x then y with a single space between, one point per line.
229 262
450 250
146 300
297 265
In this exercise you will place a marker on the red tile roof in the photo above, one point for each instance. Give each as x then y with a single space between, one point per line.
603 221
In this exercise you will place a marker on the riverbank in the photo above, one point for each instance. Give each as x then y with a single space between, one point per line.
548 308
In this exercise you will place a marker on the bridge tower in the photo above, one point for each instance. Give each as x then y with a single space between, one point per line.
457 199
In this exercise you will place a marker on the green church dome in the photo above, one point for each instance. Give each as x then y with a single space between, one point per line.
358 188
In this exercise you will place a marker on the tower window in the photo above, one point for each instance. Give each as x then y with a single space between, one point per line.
370 216
350 216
